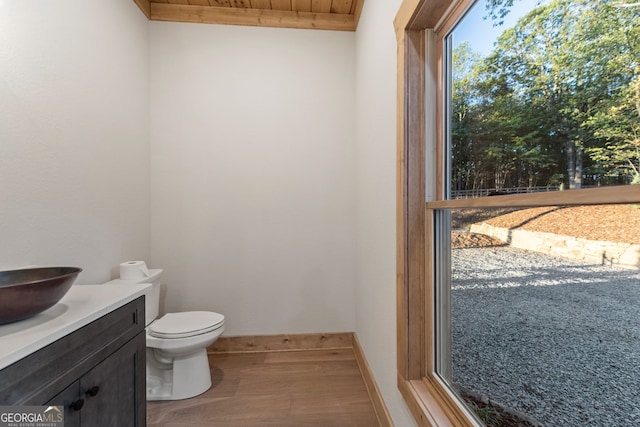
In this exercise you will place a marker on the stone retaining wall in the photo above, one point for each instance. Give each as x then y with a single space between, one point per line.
625 255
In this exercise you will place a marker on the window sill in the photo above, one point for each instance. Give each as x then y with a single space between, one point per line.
432 404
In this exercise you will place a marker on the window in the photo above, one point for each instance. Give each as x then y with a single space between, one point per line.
427 180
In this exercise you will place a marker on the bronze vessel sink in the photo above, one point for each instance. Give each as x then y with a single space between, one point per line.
27 292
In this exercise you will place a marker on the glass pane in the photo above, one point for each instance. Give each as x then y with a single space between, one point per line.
544 318
544 96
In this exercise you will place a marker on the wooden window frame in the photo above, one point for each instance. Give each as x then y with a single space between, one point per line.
419 25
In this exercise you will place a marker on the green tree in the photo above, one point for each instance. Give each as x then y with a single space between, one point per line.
616 121
466 150
566 62
619 127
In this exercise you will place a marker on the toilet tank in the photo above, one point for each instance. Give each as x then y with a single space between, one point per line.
152 298
152 304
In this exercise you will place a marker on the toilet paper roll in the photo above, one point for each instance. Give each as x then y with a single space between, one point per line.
134 270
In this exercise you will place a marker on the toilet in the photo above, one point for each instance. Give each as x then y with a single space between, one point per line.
177 363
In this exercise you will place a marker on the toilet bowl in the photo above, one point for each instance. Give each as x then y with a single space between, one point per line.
177 362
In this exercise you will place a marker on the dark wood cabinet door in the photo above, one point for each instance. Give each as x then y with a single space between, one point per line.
112 390
70 399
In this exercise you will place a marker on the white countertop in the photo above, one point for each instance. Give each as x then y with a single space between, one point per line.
80 306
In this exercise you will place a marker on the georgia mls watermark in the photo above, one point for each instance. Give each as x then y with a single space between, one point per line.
31 416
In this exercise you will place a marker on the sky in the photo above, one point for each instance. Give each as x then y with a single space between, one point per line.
480 33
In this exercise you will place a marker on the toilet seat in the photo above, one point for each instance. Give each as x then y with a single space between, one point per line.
185 324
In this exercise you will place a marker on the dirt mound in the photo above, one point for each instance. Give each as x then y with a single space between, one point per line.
463 239
611 223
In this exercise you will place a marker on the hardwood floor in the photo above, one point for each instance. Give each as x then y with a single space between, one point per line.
286 388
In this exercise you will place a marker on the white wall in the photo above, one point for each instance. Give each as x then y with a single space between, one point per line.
376 199
252 175
266 167
74 139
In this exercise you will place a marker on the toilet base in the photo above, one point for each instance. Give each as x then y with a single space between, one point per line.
179 377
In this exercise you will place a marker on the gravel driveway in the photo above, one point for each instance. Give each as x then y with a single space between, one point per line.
554 338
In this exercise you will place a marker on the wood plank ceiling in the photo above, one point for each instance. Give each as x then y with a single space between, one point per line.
339 15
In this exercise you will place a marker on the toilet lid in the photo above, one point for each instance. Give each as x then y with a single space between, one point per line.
186 324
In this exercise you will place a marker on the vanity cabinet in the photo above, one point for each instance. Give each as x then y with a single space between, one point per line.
96 372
